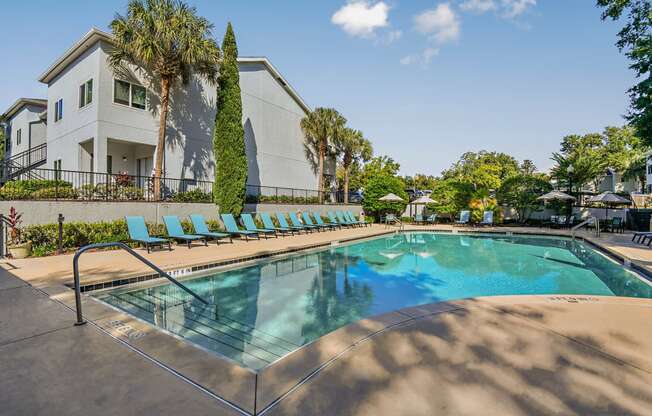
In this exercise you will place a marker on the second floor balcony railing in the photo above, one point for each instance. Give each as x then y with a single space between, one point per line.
70 185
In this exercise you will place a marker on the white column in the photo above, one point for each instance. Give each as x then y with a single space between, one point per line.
99 154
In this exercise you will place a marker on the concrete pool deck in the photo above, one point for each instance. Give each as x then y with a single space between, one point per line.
507 355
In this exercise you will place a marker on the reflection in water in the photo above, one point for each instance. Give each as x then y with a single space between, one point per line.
262 312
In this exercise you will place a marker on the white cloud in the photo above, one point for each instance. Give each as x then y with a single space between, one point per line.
515 8
478 6
361 18
441 23
408 60
424 58
394 35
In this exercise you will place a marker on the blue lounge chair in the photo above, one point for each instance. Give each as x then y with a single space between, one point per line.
138 233
418 219
296 223
284 223
487 218
250 225
465 217
269 225
233 229
308 221
175 231
320 221
201 228
354 220
334 220
343 220
432 219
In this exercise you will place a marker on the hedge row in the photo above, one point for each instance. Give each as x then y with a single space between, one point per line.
45 237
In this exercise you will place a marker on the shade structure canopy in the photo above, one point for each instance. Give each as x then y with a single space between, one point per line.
610 198
391 198
424 200
556 195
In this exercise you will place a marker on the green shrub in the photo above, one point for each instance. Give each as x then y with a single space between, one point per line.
54 193
25 189
45 237
379 186
195 195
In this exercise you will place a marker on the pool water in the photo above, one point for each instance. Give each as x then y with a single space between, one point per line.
262 312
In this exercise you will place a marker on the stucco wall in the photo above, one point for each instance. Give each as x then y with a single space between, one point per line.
26 120
44 212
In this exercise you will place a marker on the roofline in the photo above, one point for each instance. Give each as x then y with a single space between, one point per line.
20 103
94 35
74 52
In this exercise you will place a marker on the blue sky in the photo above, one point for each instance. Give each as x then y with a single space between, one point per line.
424 80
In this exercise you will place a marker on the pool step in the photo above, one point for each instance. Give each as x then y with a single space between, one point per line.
202 326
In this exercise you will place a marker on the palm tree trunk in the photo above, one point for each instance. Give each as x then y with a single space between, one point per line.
322 155
346 184
160 147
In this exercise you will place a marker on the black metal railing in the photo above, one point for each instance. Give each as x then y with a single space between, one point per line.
53 184
21 163
256 194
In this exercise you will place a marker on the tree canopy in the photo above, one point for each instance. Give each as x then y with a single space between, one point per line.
483 170
379 186
635 39
353 148
165 41
521 192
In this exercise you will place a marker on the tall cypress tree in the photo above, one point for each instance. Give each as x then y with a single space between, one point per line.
228 135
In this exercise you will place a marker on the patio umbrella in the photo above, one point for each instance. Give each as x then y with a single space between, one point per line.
609 199
391 198
424 200
556 195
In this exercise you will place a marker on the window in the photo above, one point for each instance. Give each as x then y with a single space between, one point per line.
19 134
86 93
58 110
129 94
109 164
649 169
57 169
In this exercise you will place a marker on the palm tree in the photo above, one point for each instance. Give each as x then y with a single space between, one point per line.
165 41
321 128
353 147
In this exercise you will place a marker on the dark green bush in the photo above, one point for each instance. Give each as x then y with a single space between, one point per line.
44 237
195 195
25 189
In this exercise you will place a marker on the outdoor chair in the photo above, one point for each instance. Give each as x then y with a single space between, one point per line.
344 220
617 225
269 225
334 220
487 218
308 221
418 219
465 217
175 231
296 223
138 233
232 228
284 224
320 221
250 225
431 219
201 228
354 220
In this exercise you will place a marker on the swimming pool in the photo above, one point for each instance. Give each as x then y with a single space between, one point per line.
262 312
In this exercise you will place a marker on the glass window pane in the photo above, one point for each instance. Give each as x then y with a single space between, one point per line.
89 91
82 95
138 96
121 92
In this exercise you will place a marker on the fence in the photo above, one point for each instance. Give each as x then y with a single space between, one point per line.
53 184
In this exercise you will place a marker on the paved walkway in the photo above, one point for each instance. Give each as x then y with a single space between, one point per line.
504 355
50 367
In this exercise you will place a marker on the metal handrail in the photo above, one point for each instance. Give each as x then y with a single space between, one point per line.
75 270
586 222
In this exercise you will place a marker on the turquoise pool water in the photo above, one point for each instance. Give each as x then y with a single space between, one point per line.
264 311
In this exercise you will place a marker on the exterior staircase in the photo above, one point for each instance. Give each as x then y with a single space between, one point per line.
21 165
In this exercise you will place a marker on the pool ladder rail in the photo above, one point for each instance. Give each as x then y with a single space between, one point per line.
82 250
588 221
